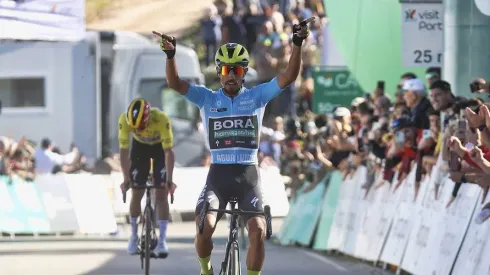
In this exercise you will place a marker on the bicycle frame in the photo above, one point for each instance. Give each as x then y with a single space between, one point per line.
232 237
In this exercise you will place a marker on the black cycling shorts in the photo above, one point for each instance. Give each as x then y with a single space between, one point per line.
140 163
232 180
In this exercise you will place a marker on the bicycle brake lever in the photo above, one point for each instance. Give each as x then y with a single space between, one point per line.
124 194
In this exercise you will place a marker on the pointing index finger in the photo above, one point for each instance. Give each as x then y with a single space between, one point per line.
306 21
157 33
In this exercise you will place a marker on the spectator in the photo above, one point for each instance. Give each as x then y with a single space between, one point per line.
252 21
5 169
415 97
46 160
432 74
300 11
232 29
21 165
211 33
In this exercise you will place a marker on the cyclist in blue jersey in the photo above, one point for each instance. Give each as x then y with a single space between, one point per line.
232 117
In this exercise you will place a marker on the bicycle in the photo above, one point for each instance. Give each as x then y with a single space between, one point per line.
231 264
242 225
148 239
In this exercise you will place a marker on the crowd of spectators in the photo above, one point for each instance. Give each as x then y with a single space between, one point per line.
265 29
425 124
20 158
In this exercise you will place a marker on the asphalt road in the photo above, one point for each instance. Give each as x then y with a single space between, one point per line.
107 256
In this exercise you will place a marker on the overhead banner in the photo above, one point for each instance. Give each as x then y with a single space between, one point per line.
52 20
422 34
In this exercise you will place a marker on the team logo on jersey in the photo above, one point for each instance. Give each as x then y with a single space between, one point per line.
217 110
237 131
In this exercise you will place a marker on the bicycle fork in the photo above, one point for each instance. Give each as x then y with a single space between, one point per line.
232 240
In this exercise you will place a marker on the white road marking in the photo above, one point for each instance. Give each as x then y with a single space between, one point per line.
325 260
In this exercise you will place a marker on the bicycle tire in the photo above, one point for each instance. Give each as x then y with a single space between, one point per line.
148 240
234 260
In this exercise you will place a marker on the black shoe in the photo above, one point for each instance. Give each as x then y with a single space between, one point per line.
161 255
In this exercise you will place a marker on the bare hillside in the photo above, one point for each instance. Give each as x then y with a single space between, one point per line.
168 16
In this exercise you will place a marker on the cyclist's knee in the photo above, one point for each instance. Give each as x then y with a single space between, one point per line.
208 228
161 194
137 194
256 228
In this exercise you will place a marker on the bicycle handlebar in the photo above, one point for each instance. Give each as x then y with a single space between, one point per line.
267 213
146 187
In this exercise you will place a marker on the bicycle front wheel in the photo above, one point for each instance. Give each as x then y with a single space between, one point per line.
234 260
148 240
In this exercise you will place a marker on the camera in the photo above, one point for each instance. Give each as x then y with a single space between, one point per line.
464 103
479 85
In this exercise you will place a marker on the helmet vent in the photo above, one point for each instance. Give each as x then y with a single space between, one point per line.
230 53
242 51
136 107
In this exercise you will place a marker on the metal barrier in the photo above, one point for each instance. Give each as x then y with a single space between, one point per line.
419 236
90 204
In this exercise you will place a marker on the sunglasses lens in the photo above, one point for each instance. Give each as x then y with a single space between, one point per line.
239 71
226 69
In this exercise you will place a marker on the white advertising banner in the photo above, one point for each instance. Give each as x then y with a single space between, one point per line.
422 34
52 20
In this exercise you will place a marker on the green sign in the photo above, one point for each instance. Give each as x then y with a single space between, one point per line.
370 55
334 88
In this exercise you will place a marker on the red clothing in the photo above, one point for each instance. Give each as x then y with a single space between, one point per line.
486 155
408 155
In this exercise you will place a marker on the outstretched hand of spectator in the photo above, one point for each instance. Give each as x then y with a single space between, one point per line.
456 146
485 114
477 155
474 119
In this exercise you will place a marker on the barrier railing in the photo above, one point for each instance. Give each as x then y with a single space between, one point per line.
90 204
418 234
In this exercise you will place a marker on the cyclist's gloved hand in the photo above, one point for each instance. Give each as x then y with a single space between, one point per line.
124 186
168 46
300 33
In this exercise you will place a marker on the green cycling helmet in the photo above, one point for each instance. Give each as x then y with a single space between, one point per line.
232 53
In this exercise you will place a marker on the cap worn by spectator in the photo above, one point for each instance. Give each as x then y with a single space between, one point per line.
402 123
415 85
341 112
358 100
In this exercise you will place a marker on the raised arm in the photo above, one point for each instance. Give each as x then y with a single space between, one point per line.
174 81
168 44
300 33
289 76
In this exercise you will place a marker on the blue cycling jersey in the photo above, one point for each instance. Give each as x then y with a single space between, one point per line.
233 124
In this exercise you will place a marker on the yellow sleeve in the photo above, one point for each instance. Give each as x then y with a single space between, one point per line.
439 144
166 130
123 135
